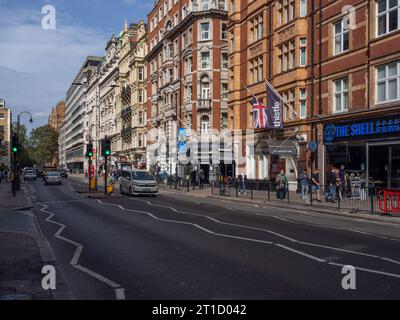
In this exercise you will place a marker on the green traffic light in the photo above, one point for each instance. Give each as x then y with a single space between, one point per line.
107 152
90 154
14 149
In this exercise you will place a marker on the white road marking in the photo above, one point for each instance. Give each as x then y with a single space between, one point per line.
368 270
304 254
118 290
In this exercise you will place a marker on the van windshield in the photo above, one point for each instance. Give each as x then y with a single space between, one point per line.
141 175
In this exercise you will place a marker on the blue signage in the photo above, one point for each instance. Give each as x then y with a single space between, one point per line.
373 127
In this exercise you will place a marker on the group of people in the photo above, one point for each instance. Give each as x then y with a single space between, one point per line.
197 179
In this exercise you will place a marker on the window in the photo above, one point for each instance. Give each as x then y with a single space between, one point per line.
224 60
205 90
160 14
256 70
184 12
303 8
290 106
141 73
204 5
388 82
205 31
232 42
341 95
287 56
176 19
190 35
184 41
303 103
232 6
257 28
387 16
169 5
224 90
165 8
303 52
341 31
151 25
140 96
170 75
222 5
2 116
205 60
205 124
224 31
141 118
286 11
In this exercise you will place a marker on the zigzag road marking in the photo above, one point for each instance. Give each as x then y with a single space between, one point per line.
118 290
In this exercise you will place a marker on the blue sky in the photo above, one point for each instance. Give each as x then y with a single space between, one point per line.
37 65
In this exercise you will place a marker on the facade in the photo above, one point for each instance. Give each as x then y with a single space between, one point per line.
73 137
187 72
5 135
56 117
131 96
107 77
336 66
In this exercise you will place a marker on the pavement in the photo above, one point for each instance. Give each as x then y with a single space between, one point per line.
180 246
24 251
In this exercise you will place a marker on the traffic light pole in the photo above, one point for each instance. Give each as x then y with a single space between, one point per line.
14 182
105 175
90 173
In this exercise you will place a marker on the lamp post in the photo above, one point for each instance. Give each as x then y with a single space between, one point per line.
17 180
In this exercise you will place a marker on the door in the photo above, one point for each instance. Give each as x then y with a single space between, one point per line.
395 166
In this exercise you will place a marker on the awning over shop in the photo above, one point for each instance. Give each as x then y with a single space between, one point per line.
276 147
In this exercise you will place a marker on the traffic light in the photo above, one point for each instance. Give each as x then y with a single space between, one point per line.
15 144
106 147
89 150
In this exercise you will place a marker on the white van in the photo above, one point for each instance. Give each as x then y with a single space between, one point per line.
136 182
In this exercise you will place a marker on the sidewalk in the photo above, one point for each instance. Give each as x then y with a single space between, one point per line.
274 203
23 251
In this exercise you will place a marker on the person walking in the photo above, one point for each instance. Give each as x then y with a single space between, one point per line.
315 185
241 185
201 179
193 179
281 182
331 184
303 178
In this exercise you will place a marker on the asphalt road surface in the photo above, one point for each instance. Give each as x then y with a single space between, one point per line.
176 246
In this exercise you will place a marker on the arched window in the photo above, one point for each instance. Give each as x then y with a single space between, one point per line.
205 124
205 88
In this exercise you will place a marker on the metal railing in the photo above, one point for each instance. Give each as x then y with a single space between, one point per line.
353 198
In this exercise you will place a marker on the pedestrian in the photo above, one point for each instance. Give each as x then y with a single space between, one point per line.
342 181
315 187
304 184
242 185
193 179
281 182
331 182
201 179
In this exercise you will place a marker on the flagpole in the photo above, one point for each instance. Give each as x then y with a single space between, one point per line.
277 93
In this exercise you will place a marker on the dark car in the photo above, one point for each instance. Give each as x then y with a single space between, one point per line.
63 173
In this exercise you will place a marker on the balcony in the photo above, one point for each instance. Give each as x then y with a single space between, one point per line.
126 92
203 104
126 130
126 111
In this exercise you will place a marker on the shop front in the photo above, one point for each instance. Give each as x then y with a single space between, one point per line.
368 148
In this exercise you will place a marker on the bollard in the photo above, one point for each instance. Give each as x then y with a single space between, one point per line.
269 193
251 191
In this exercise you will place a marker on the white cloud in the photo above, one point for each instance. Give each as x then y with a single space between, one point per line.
37 65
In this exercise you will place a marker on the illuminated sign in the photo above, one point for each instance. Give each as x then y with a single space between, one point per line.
374 127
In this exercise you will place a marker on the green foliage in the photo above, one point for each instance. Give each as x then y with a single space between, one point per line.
23 155
43 145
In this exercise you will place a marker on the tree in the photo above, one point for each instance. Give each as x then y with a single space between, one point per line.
43 143
23 155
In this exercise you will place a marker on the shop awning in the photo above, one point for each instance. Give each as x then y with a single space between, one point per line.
276 147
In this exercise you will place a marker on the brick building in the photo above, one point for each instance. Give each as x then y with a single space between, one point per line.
56 116
187 70
5 135
337 64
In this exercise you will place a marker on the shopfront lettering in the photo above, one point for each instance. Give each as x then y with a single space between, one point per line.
376 127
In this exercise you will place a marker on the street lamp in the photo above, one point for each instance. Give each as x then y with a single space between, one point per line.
16 185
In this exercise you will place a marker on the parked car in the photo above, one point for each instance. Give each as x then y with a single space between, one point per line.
63 173
52 177
136 182
29 174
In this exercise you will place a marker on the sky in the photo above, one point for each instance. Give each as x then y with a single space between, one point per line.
37 65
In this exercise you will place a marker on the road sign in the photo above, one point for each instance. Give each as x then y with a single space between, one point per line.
312 146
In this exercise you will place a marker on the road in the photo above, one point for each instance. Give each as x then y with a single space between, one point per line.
176 246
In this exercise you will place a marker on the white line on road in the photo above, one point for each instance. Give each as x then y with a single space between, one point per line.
298 252
118 290
273 233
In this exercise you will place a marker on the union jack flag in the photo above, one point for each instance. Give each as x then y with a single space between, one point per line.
260 116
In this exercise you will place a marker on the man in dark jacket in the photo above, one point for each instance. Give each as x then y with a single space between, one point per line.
331 185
